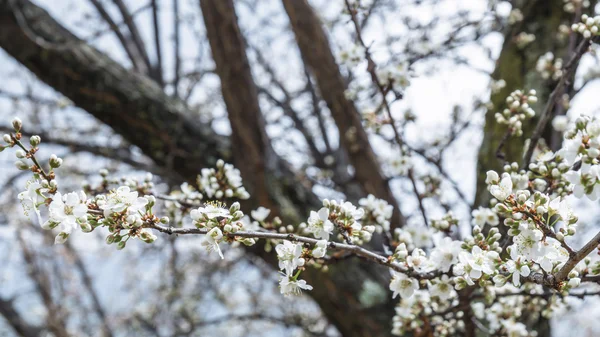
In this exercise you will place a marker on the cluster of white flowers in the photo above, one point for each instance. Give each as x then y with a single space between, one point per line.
582 143
515 16
395 75
220 221
414 235
378 212
572 5
588 26
68 211
549 67
517 111
399 165
445 223
292 256
534 238
347 219
483 216
548 175
497 86
429 268
411 313
124 212
524 39
224 181
352 55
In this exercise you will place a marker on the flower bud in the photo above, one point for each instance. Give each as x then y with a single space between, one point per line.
17 124
20 154
7 138
85 227
55 162
164 220
35 140
21 165
234 207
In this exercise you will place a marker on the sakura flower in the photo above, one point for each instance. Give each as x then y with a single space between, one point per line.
209 211
260 214
68 211
320 249
403 285
211 241
527 243
123 199
32 197
483 215
441 288
289 254
445 253
477 262
503 189
418 261
517 269
319 224
290 286
491 177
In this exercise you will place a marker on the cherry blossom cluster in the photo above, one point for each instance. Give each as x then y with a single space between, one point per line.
394 76
582 143
378 212
498 85
518 110
219 221
446 223
224 181
515 16
346 218
293 256
572 5
588 26
549 67
399 165
429 265
352 55
524 39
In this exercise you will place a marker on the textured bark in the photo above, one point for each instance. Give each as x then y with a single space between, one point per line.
316 52
337 291
133 105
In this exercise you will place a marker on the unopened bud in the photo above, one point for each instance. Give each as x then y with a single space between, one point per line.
17 124
35 140
21 165
55 162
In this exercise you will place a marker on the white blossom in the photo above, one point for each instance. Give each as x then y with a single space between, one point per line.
289 255
260 214
319 224
403 285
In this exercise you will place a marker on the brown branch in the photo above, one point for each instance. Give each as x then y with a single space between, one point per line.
158 69
132 52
